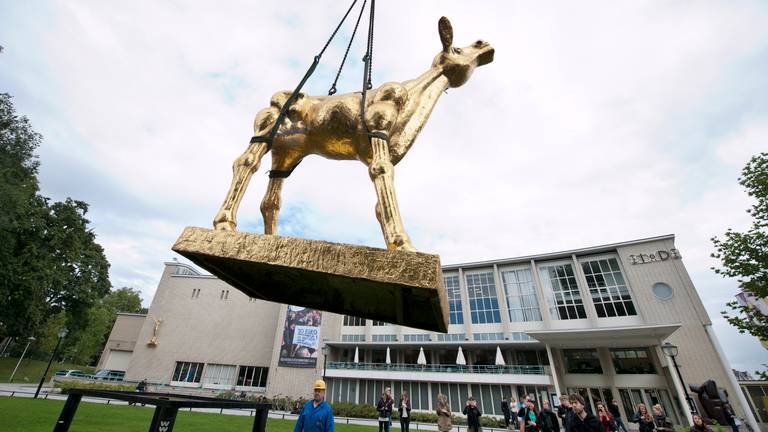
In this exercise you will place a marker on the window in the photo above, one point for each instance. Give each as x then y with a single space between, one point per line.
451 337
483 302
610 293
521 295
252 376
187 372
582 361
353 321
454 299
195 293
224 295
562 291
353 338
632 361
416 338
384 338
380 323
219 374
521 336
488 336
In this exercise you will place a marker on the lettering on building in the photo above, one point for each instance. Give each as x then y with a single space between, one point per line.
658 256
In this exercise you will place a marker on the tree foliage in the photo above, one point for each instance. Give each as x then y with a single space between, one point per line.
50 261
744 255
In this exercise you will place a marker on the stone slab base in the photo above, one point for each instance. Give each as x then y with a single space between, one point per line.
397 287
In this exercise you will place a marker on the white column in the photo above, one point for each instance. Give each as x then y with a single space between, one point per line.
553 370
501 297
732 379
465 311
678 385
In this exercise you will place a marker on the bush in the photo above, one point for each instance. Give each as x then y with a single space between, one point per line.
346 409
65 386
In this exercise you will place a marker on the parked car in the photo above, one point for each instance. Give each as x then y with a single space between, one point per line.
72 373
109 375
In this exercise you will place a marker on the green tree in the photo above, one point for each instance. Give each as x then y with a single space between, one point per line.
49 259
744 255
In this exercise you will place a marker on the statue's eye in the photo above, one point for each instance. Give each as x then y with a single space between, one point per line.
457 50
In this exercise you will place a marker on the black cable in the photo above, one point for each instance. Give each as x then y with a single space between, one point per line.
369 85
332 90
337 28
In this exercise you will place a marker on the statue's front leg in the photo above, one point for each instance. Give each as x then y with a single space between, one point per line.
382 174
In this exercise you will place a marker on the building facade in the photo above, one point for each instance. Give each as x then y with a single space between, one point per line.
588 321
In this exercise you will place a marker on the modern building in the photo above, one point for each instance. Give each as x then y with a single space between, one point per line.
589 321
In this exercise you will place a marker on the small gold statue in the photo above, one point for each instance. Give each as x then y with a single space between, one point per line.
330 126
153 339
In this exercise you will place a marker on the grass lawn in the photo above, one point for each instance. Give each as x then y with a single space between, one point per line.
30 371
30 415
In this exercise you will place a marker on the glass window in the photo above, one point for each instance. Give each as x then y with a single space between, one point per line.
451 337
380 323
219 374
483 302
632 361
353 321
608 288
187 372
522 302
454 299
562 292
252 376
353 338
582 361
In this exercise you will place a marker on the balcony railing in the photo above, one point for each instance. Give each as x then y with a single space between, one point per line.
447 368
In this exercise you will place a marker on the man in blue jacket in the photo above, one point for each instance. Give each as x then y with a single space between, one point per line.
316 415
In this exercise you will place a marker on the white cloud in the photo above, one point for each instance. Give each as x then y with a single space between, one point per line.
586 129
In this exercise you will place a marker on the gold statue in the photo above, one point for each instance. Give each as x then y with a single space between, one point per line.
330 126
153 339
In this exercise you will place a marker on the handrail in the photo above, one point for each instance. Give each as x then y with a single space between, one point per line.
445 368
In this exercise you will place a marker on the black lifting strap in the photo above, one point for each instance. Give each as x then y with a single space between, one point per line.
292 99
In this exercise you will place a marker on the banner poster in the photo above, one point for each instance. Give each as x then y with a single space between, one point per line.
301 338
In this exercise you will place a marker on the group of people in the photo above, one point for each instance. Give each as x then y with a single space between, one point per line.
573 415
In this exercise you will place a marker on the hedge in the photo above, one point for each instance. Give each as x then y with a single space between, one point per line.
65 386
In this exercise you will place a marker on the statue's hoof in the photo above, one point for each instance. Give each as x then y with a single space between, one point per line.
222 223
403 243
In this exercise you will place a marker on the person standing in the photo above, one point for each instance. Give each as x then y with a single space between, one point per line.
613 408
548 419
565 412
643 419
384 407
699 425
582 420
606 418
473 415
530 417
317 415
443 414
405 412
505 411
660 420
521 413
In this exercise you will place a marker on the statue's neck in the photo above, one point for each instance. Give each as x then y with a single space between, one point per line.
431 80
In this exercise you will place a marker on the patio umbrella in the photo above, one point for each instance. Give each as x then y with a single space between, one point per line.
460 360
422 360
499 357
357 356
388 360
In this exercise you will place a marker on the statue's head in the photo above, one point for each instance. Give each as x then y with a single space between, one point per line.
459 63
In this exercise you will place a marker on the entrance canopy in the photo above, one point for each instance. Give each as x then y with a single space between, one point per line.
612 337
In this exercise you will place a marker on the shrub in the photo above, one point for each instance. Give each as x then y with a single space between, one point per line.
65 386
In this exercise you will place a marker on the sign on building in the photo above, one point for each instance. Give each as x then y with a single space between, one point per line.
301 337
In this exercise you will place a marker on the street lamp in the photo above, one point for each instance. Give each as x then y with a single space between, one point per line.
62 333
671 352
325 359
29 341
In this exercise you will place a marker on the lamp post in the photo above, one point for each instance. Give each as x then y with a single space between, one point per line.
29 341
671 352
62 332
325 359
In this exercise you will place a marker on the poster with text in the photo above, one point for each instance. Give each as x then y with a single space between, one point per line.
301 338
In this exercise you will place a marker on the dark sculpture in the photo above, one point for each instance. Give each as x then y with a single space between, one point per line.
713 402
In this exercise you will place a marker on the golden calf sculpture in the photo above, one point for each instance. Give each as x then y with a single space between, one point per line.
332 127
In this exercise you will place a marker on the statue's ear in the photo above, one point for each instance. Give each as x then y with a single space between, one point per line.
445 30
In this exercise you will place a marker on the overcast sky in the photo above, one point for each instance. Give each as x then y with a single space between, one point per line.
597 122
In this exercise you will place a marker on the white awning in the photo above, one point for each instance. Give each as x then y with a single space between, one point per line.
615 337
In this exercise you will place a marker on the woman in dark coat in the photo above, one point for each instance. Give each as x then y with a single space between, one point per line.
643 419
548 419
404 408
384 407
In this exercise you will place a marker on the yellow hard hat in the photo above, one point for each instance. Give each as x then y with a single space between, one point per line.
319 385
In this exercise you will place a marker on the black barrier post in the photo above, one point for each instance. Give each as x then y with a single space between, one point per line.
68 413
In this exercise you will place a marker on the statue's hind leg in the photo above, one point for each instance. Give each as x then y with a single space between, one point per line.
270 205
242 170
